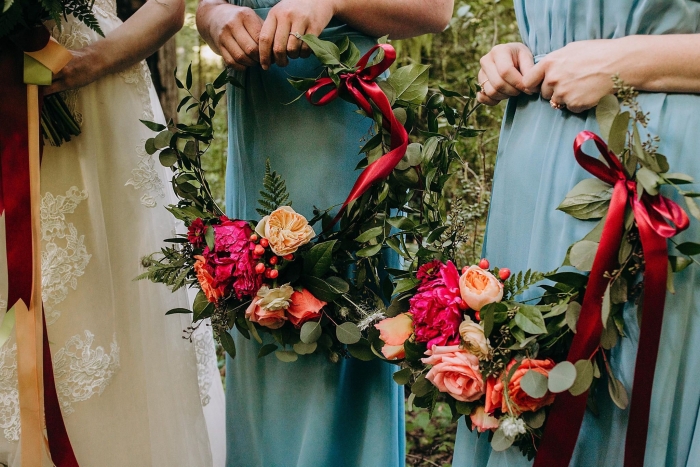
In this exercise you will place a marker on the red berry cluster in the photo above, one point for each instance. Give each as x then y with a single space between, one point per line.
269 262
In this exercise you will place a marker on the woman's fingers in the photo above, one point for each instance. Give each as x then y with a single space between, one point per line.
234 54
496 87
267 40
294 44
481 96
282 36
525 63
534 77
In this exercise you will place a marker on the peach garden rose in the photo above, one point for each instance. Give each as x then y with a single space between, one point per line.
286 230
474 339
455 372
269 306
394 332
478 288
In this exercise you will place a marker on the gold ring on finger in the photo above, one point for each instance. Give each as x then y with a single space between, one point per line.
481 85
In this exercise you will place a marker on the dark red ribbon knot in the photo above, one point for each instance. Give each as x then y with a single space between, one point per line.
658 218
364 91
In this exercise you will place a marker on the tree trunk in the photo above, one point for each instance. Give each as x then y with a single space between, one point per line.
162 64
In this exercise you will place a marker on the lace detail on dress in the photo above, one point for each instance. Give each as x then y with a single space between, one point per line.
205 351
81 371
140 76
60 265
9 394
145 177
72 37
105 8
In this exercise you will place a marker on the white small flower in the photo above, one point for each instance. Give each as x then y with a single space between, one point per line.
275 299
512 426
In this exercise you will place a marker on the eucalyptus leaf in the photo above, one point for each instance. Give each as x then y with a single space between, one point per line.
618 393
500 442
162 139
167 157
534 419
618 291
605 309
266 349
584 377
561 377
369 234
534 384
362 351
422 386
573 311
692 207
618 133
649 180
589 199
348 333
310 332
287 356
302 348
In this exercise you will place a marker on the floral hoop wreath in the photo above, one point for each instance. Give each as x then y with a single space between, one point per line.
506 351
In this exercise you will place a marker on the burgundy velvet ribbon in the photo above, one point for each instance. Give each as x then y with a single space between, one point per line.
658 218
15 202
362 88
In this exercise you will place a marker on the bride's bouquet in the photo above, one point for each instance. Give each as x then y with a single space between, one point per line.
21 21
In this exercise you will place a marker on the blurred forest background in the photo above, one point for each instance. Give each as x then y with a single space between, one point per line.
476 26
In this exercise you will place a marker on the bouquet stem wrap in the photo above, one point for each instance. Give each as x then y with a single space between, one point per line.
26 63
658 218
364 91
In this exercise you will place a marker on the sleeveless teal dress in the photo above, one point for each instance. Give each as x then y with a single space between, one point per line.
309 413
535 170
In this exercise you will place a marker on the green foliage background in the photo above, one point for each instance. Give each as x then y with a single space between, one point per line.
476 26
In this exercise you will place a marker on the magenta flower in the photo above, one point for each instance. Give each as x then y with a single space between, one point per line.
437 307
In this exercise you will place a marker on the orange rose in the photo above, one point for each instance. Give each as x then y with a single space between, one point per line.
394 332
286 230
521 402
479 288
269 306
304 307
482 421
206 280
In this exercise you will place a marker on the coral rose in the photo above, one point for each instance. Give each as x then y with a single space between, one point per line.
456 372
482 420
479 288
269 306
394 332
304 307
206 280
286 230
521 401
474 339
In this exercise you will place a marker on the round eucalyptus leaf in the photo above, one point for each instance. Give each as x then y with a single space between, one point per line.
561 377
348 333
305 349
286 356
310 332
167 157
501 442
584 377
534 384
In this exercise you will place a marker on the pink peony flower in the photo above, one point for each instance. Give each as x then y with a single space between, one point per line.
455 372
482 421
233 258
196 232
436 308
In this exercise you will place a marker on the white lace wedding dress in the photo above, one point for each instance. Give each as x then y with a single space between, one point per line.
133 392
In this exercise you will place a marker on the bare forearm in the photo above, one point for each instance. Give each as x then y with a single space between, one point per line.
140 36
397 18
662 63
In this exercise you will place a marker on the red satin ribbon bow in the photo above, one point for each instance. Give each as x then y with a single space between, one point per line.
365 92
657 218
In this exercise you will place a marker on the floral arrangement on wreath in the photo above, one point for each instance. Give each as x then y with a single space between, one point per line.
460 335
22 21
509 365
285 275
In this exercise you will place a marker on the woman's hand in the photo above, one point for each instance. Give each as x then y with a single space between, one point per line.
580 73
287 19
84 68
234 33
502 71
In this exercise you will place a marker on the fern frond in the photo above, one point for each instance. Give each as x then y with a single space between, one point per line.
274 193
519 283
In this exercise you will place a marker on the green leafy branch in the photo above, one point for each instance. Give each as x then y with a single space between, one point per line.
274 193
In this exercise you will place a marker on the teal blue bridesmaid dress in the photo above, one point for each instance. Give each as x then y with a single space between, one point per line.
535 170
309 413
